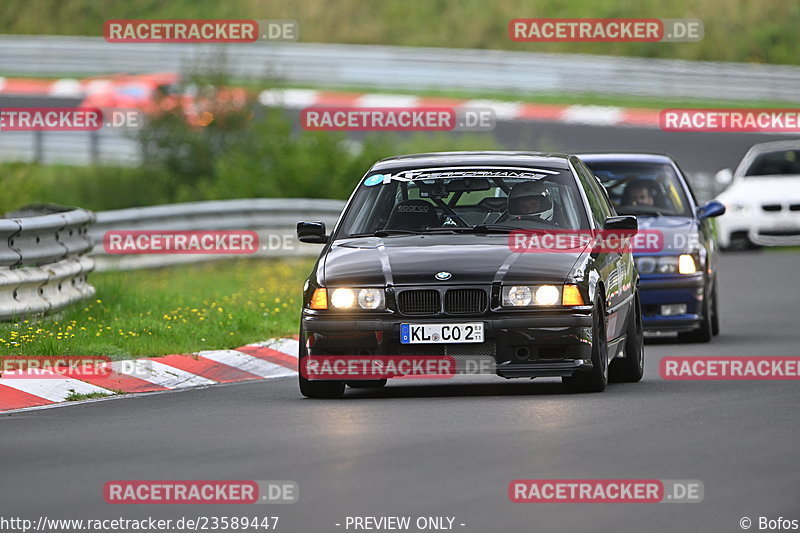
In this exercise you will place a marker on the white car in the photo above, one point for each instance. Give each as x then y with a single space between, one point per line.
763 200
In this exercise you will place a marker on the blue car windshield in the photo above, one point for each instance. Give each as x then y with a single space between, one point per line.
637 188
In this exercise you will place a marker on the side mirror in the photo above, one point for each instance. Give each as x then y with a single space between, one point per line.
724 176
622 223
710 209
311 232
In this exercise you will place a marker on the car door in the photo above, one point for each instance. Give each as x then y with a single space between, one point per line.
616 268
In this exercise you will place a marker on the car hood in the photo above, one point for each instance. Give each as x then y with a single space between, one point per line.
416 259
758 189
677 234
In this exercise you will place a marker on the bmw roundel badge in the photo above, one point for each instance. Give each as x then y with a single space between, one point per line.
441 276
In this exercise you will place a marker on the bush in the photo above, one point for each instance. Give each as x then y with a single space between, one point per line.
261 157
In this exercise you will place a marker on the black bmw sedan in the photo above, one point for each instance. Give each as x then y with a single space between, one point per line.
432 256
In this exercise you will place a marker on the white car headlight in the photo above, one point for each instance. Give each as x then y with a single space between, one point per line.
534 295
517 296
344 298
737 208
686 264
666 264
370 298
547 295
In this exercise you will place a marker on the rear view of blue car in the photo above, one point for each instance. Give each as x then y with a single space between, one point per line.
679 273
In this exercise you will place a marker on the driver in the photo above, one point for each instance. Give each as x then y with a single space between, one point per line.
638 193
530 200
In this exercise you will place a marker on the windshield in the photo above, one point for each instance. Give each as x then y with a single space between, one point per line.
464 200
637 188
783 162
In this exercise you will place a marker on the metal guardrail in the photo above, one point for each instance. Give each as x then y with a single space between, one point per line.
42 262
410 68
273 219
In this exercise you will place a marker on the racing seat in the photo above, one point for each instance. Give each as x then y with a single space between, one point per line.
413 215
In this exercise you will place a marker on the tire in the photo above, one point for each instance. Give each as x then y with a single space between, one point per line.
715 310
630 369
328 390
597 379
704 332
324 390
367 384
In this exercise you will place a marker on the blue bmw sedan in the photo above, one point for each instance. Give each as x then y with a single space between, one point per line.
678 275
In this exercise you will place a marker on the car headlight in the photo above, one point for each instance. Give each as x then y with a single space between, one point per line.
539 295
344 298
686 264
666 264
370 298
738 208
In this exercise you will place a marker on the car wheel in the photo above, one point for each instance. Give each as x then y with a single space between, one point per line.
597 379
330 390
630 369
715 310
703 333
367 384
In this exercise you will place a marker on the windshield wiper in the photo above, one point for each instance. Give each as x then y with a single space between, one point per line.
479 228
386 233
640 211
492 228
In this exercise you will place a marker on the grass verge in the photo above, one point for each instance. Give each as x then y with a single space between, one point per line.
183 309
643 102
735 30
78 396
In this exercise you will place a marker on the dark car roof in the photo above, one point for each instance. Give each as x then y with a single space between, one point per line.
487 158
642 157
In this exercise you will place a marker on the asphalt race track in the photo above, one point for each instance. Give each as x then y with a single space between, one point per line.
696 152
450 450
415 449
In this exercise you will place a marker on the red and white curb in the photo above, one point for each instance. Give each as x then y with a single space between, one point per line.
593 115
62 88
300 98
265 360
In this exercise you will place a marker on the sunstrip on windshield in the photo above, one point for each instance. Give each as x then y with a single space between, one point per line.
459 172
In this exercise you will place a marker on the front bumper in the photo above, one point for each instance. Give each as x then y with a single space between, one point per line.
777 228
519 345
661 290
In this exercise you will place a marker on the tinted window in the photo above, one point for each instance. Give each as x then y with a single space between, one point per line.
775 164
636 188
440 199
594 193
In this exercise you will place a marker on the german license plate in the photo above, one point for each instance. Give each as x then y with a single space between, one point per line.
441 333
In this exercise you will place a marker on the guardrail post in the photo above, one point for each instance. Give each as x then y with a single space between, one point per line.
38 146
94 147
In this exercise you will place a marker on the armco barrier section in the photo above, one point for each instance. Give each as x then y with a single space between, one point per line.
273 219
406 67
42 263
